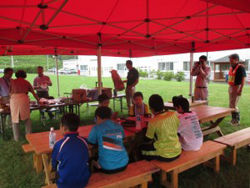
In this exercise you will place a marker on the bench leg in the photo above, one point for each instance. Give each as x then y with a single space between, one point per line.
234 156
174 179
217 164
144 185
37 161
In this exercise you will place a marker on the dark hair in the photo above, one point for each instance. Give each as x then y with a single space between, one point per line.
20 74
71 121
138 94
180 101
40 67
234 56
103 97
7 70
103 112
129 62
175 100
156 103
203 57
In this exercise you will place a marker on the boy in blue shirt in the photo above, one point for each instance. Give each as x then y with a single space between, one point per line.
70 155
112 155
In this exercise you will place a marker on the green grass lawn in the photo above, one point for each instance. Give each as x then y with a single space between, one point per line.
16 167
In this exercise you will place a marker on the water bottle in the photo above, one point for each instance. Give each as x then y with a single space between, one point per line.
138 122
52 137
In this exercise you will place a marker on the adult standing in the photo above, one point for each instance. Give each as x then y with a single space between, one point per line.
5 85
41 85
202 72
132 81
19 103
236 81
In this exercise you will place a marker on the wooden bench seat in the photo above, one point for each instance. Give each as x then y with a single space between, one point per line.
235 141
27 148
137 173
188 159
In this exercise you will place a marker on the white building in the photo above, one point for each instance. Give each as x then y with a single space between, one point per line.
180 62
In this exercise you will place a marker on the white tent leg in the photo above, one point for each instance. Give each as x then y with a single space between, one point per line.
57 78
191 77
99 69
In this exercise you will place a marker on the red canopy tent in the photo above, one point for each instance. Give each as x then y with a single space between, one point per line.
122 27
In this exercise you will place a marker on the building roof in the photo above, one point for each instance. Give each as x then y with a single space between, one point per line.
224 59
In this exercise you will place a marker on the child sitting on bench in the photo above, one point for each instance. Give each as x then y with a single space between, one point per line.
138 107
70 155
189 131
108 136
161 133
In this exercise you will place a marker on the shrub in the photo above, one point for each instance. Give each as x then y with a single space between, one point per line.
168 76
143 73
159 75
152 74
180 76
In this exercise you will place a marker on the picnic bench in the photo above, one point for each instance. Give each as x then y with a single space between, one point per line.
137 173
235 141
169 105
213 115
210 150
42 152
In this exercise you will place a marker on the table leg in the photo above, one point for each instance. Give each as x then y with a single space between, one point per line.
38 163
174 178
214 127
121 103
3 121
114 104
45 159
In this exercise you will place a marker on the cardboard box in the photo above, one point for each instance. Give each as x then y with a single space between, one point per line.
79 95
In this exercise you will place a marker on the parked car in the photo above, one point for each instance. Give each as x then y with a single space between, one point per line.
52 70
67 71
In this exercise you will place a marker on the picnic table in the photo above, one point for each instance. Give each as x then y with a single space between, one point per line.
40 144
213 115
169 105
72 107
118 97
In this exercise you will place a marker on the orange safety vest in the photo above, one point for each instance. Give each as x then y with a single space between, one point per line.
232 74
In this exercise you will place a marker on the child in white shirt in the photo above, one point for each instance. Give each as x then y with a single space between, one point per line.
189 131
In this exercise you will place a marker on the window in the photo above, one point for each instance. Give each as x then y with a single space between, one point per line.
186 66
121 66
84 67
165 66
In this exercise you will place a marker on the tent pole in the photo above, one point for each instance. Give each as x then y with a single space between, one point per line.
191 77
99 69
190 67
57 77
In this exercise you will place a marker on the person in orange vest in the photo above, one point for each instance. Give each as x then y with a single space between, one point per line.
236 80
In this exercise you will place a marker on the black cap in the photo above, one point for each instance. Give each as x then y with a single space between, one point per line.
234 56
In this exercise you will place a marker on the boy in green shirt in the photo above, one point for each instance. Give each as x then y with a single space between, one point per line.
163 143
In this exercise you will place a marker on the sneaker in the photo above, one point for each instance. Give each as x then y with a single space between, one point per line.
235 122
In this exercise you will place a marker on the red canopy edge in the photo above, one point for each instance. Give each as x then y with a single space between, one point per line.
123 28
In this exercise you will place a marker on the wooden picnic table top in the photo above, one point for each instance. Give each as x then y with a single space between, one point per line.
210 113
192 104
40 141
